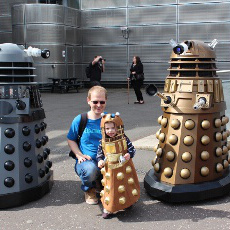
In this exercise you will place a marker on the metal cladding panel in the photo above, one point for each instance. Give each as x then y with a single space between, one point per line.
95 4
115 72
105 18
69 54
45 71
73 35
200 1
150 2
152 34
79 72
213 12
72 17
224 76
5 23
4 6
56 52
77 54
156 72
11 3
205 32
103 36
6 37
18 35
110 53
18 12
74 4
78 36
223 51
54 34
70 35
150 53
152 15
44 13
70 71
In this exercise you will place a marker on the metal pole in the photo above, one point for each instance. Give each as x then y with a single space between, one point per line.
128 90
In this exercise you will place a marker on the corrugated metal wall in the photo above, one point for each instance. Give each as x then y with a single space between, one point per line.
96 30
54 27
5 18
151 25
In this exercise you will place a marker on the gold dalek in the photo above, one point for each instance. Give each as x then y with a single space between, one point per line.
192 161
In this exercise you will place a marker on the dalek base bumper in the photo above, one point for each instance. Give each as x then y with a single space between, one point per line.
186 192
19 198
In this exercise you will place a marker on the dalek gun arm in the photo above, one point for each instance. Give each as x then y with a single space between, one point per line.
35 52
200 104
151 90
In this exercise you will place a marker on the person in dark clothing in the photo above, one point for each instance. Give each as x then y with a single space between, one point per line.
97 66
135 69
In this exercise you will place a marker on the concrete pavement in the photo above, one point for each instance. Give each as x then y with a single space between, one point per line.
64 206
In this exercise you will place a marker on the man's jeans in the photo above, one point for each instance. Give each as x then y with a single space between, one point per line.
88 173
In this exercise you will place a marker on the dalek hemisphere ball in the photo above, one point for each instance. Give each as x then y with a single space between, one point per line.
25 168
192 160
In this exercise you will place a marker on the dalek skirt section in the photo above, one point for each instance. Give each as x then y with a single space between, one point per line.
192 161
25 173
121 186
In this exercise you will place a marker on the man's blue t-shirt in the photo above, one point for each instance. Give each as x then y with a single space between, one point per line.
90 138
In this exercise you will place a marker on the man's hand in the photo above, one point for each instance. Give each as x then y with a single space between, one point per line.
127 156
83 158
101 164
98 58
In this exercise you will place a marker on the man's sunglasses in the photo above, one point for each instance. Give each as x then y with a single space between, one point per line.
96 102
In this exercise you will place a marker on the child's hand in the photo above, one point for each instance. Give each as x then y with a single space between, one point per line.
127 156
101 163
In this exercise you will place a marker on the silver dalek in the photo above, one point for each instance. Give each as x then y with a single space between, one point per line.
25 173
192 161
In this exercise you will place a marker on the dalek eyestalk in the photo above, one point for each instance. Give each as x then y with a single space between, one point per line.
35 52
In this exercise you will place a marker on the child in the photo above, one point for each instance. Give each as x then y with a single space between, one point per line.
114 156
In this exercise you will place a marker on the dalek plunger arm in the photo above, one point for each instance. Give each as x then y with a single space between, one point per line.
35 52
151 90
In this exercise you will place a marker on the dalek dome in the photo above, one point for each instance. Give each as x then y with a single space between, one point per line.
196 49
10 52
111 118
15 64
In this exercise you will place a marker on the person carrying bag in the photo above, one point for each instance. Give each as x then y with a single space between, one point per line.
137 78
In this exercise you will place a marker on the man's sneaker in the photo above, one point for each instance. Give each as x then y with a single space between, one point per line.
90 196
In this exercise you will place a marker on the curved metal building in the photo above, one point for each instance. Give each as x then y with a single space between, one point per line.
76 31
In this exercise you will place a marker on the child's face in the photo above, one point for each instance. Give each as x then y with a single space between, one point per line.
110 129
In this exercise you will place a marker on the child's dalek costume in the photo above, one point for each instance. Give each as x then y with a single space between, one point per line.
121 186
25 173
192 160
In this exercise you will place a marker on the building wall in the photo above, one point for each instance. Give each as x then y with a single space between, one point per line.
95 29
5 18
151 25
54 27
